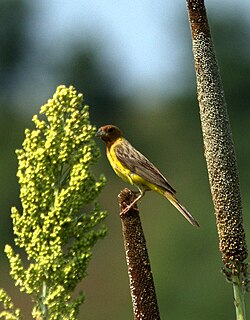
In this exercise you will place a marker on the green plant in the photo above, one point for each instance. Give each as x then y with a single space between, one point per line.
57 224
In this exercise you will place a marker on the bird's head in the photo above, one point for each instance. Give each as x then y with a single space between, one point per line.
109 133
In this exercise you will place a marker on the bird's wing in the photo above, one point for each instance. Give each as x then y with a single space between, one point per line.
138 164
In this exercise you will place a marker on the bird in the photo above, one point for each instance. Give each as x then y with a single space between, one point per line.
133 167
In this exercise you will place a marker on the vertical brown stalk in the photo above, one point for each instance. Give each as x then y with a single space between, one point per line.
140 275
219 148
218 143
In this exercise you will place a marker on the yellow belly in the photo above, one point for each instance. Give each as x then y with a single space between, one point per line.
118 167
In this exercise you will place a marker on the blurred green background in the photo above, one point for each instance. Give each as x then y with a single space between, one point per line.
160 116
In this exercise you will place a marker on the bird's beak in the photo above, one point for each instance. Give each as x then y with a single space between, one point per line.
100 133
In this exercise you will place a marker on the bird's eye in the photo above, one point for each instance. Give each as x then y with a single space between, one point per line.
110 130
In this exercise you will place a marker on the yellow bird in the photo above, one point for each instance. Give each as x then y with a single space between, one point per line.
133 167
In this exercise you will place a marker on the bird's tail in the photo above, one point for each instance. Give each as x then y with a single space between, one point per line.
181 209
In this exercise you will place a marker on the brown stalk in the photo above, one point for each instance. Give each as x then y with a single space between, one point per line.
140 275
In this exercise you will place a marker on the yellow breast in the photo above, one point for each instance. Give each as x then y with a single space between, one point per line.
117 166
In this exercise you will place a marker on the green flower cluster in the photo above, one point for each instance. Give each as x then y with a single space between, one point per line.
57 188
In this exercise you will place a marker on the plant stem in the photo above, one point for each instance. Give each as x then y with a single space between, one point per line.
239 297
142 287
219 153
44 307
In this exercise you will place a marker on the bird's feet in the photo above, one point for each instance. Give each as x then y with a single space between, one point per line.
132 204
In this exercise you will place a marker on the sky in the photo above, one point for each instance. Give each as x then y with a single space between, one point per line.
143 41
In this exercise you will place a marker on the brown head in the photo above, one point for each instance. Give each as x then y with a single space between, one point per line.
109 133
